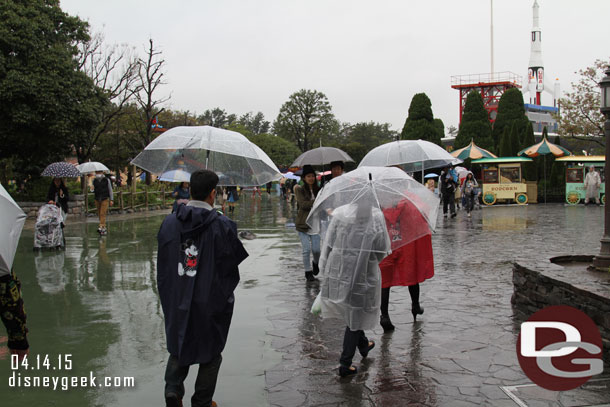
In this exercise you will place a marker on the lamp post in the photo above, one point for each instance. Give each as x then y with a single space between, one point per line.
602 260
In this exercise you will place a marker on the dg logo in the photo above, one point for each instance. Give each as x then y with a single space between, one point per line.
560 348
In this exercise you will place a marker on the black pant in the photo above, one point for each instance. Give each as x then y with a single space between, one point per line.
205 384
351 341
449 199
469 202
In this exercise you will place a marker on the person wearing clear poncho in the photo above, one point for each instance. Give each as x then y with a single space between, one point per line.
356 241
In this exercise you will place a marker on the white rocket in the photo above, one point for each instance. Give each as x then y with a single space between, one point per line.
535 85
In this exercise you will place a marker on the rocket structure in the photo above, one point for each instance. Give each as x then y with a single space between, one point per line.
535 85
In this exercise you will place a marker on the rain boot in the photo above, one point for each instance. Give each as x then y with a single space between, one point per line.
316 269
309 276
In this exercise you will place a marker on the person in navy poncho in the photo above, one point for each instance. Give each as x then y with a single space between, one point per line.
197 272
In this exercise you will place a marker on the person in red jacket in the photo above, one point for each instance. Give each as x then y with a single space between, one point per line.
409 264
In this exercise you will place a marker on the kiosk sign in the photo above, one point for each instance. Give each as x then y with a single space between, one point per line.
559 348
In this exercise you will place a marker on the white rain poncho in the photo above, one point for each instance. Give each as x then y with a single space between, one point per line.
48 232
355 243
592 183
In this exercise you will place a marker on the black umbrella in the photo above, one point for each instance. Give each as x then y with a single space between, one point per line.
61 169
321 156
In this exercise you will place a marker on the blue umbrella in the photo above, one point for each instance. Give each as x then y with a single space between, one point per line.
431 175
61 169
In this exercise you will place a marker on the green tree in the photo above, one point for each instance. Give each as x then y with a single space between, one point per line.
580 117
45 98
256 124
281 152
420 122
475 124
358 139
305 119
505 149
510 110
216 117
529 169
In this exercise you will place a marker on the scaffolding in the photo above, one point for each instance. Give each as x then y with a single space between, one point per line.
491 86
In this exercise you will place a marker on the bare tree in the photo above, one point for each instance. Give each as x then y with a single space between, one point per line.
580 117
113 70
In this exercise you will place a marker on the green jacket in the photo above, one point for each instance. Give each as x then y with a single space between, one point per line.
304 204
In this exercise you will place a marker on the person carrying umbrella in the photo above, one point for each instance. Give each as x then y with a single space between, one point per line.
58 195
12 310
359 237
310 241
356 241
448 187
182 195
102 188
198 261
592 183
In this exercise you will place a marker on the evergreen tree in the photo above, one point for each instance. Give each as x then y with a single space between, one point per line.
510 109
529 169
515 144
475 124
505 150
420 122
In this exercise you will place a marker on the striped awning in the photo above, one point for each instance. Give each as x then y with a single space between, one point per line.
472 151
543 148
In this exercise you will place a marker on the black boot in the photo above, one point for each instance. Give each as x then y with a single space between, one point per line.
309 276
416 310
316 269
386 323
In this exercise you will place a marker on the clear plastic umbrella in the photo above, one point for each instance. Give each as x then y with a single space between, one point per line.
384 188
92 166
374 210
12 219
410 155
190 148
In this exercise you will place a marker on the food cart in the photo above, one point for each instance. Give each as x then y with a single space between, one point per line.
576 171
502 181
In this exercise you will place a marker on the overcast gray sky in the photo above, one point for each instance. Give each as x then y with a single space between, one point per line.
368 57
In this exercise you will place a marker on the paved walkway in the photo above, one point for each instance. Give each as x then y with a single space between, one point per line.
462 350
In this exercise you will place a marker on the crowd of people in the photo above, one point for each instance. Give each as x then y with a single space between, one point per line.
199 253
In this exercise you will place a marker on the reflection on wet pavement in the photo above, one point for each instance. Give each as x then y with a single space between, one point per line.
98 302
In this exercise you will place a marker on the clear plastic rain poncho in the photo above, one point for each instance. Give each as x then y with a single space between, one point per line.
48 232
234 158
358 237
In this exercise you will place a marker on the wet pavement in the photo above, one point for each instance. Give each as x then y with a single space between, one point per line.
97 301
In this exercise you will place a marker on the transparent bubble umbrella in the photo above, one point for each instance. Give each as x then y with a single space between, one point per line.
12 219
92 166
388 189
191 148
410 155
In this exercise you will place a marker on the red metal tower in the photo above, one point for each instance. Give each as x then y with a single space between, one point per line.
491 86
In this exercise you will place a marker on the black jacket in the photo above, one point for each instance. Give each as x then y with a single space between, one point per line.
197 272
55 196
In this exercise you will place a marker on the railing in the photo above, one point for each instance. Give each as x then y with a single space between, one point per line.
125 199
473 79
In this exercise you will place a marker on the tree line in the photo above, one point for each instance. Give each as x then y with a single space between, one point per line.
65 92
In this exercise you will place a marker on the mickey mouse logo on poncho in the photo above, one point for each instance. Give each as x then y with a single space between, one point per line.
190 259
